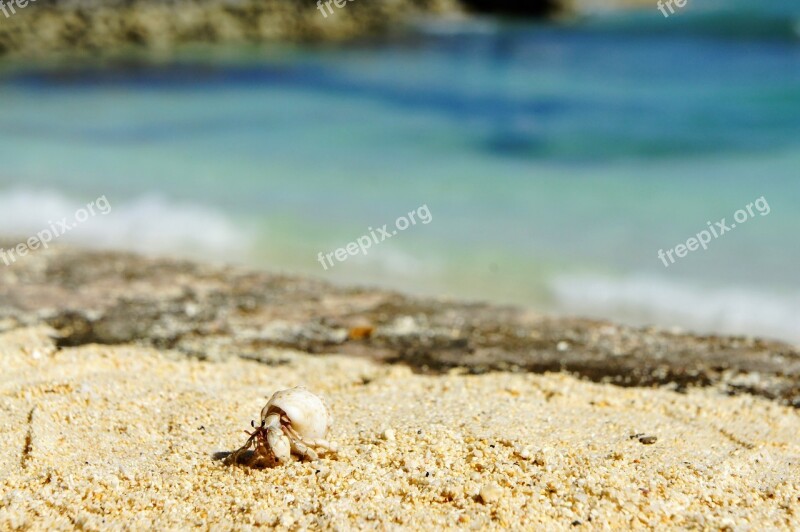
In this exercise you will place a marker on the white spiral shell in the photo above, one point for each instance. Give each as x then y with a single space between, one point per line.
308 414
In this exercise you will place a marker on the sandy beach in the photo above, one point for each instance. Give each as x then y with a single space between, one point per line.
127 437
399 265
283 62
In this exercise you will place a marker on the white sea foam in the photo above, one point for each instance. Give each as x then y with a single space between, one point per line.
393 261
644 300
148 224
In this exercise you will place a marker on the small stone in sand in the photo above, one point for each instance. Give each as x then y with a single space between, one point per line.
360 332
490 493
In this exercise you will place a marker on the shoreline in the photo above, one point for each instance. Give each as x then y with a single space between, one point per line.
216 313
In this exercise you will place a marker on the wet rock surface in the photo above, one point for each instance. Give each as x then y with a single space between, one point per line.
215 313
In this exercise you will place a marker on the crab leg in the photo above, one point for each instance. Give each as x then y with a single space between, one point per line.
294 436
301 448
233 458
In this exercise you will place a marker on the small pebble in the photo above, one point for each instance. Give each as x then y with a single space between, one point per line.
286 520
261 518
388 435
360 332
490 493
648 440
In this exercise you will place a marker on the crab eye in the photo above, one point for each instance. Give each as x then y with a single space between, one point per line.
252 423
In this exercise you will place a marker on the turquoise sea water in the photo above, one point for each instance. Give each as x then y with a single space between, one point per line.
555 161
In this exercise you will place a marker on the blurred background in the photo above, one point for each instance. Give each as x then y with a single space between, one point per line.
558 146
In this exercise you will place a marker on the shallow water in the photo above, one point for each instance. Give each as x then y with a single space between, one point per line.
556 161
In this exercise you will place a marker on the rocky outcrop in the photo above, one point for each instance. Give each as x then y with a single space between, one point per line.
100 26
217 313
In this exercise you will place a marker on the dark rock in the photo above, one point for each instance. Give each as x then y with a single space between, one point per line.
513 7
214 313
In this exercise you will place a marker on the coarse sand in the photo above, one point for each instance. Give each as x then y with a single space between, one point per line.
127 437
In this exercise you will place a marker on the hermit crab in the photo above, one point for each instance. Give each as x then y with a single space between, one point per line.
294 421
